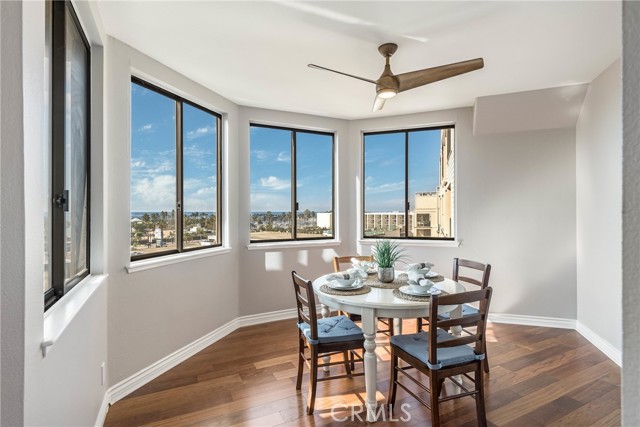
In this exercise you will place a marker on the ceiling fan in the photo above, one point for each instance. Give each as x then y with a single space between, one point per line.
389 85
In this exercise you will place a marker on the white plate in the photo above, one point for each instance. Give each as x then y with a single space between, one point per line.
431 275
407 290
338 287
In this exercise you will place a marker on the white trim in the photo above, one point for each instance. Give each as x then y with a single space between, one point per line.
142 377
601 344
146 264
102 413
58 317
545 322
415 242
297 244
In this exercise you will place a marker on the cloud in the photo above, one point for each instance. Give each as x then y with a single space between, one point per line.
146 128
200 132
283 157
263 202
137 163
274 183
385 188
157 193
389 162
260 154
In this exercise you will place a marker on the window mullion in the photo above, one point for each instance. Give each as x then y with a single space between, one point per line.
406 185
218 180
294 186
179 180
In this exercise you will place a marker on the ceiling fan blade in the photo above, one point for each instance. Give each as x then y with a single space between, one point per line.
340 72
419 78
378 103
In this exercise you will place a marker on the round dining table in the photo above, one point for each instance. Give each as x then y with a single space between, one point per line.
379 303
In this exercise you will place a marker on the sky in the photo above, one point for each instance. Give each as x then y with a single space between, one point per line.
153 154
153 163
271 170
384 168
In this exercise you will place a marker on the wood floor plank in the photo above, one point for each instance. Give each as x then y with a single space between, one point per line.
539 377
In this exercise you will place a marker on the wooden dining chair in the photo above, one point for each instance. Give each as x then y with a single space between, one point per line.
323 337
340 263
441 356
463 269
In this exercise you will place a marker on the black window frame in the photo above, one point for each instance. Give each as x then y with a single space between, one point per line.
179 101
294 187
406 183
58 198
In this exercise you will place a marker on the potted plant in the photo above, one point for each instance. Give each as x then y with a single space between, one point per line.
385 253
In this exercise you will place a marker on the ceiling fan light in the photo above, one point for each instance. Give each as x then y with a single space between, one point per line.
387 93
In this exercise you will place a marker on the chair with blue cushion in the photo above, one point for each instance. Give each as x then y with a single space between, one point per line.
440 356
323 337
462 271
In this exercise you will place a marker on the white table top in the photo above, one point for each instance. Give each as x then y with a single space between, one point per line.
384 300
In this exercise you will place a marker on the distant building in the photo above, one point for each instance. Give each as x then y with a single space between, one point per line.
432 211
324 219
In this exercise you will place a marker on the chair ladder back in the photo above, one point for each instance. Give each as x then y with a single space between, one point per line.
339 260
477 338
307 301
473 265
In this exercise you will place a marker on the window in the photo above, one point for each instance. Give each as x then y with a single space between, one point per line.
175 173
280 157
66 212
409 184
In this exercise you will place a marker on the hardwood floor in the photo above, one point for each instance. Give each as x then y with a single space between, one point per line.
539 377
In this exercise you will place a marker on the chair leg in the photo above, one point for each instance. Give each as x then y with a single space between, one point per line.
391 327
393 379
480 409
434 395
486 362
352 360
313 380
347 364
300 363
418 325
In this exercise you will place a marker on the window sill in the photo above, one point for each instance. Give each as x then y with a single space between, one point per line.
418 243
58 317
161 261
293 245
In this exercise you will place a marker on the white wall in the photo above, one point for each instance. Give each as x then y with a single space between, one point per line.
515 197
631 215
599 208
265 273
155 312
12 221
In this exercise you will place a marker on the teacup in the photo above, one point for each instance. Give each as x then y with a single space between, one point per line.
422 286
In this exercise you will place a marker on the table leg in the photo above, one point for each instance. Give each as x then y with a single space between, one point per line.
456 313
369 325
325 311
397 326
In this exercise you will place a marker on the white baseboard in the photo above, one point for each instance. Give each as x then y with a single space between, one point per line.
102 413
142 377
546 322
601 344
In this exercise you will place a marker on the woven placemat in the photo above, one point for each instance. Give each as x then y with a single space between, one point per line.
426 298
327 290
373 281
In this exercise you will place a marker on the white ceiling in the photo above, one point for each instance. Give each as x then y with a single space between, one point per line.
256 53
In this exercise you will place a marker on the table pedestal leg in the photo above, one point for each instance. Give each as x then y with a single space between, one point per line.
369 324
397 326
325 311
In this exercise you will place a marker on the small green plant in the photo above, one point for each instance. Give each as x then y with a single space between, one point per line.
386 253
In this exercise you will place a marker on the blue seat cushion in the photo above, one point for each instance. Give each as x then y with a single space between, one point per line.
333 329
417 345
467 310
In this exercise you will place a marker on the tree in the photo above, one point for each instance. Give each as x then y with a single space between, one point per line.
146 218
